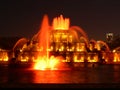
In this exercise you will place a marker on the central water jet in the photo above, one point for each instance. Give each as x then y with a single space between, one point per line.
45 61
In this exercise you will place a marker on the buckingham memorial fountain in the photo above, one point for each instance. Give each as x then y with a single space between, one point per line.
58 46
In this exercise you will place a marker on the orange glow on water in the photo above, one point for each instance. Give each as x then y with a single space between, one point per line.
59 23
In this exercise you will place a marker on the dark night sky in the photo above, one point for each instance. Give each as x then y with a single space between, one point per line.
24 17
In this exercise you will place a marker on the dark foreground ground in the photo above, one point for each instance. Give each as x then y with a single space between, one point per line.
83 85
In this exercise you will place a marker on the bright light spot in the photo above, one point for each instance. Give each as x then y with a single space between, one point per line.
44 63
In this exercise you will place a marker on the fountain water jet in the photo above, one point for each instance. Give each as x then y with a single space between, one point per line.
43 37
20 43
104 44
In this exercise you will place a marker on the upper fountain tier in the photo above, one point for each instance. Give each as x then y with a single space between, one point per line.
60 23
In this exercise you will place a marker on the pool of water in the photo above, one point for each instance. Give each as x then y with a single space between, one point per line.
104 74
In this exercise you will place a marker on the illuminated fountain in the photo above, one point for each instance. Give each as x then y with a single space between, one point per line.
53 45
116 55
4 55
58 45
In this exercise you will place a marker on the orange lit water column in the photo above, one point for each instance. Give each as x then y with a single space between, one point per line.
45 61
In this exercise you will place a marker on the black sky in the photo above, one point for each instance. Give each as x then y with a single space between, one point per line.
95 17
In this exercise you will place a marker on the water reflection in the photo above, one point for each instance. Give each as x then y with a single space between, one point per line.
51 76
102 74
